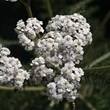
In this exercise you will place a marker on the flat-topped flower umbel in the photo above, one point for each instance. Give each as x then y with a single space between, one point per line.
58 50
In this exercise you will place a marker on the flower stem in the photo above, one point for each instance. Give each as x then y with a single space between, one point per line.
29 11
98 60
88 104
98 68
32 89
28 7
49 8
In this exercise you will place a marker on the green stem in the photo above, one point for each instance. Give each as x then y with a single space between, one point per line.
7 42
88 104
28 8
49 8
66 106
100 59
51 105
102 24
32 89
98 68
22 2
29 11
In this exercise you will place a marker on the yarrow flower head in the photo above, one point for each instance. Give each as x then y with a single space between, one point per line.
66 84
74 25
11 73
58 51
28 32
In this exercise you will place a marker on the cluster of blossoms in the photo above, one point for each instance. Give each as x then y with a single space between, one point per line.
11 73
39 70
74 25
28 32
66 84
59 50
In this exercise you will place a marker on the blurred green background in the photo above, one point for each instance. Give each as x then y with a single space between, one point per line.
95 85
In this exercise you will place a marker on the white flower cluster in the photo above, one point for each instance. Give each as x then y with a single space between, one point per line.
58 52
66 84
62 48
11 73
74 25
11 0
39 70
27 33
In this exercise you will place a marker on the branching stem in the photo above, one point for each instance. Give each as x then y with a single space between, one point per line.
27 6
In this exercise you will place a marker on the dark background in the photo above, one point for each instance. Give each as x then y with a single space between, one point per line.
95 89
